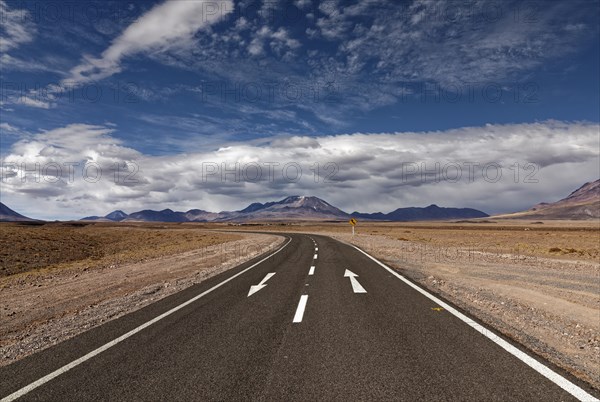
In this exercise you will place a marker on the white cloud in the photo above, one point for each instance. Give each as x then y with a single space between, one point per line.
383 53
13 63
33 102
376 172
279 42
256 47
7 128
16 27
170 24
450 43
374 49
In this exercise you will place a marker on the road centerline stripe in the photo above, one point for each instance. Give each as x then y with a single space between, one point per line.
300 310
95 352
312 270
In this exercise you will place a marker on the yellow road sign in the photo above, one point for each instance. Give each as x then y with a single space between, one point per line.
352 221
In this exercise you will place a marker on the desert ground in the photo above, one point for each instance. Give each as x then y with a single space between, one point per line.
537 282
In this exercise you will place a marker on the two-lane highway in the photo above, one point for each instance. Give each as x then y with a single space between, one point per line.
314 320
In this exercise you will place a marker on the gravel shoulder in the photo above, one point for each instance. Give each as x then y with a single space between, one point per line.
42 308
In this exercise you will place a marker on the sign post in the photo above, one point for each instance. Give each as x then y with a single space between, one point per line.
352 222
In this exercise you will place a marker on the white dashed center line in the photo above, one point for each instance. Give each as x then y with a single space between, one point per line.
300 310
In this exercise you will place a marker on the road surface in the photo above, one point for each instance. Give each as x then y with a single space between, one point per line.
315 320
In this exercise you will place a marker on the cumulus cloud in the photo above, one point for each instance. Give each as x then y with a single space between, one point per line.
279 42
495 168
167 25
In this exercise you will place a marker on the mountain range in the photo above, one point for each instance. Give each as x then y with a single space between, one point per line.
581 204
288 209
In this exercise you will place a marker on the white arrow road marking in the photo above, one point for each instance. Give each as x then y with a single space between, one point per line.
356 287
312 270
300 310
256 288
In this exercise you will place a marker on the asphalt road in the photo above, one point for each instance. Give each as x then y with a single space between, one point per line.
346 329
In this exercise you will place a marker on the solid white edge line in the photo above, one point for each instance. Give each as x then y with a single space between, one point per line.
312 270
556 378
65 368
300 310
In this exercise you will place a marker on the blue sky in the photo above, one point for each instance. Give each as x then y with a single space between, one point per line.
184 80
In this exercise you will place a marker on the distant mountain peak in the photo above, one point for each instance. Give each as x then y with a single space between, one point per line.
117 215
303 200
291 207
255 206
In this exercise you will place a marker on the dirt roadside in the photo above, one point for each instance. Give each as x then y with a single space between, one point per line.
44 308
